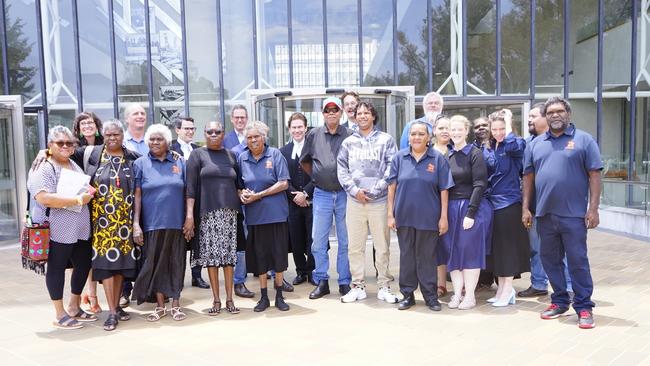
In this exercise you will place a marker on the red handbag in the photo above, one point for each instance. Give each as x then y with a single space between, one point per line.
35 244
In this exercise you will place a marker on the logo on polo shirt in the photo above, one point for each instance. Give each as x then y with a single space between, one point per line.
176 169
269 164
570 145
431 168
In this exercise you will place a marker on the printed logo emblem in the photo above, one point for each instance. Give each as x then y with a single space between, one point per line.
176 169
431 168
269 164
570 145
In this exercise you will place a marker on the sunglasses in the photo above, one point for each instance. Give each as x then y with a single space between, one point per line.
64 143
213 132
331 110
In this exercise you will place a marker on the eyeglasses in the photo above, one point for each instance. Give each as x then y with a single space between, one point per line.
63 143
331 110
213 132
87 123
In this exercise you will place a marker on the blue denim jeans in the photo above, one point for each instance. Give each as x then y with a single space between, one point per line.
560 237
538 278
328 205
240 269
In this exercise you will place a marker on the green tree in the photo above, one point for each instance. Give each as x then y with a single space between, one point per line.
19 48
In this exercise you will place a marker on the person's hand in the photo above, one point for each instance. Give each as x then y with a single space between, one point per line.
361 196
467 223
138 236
391 223
300 198
85 197
245 196
443 226
527 218
592 219
188 228
40 158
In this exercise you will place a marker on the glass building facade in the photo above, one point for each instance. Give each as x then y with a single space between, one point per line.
200 57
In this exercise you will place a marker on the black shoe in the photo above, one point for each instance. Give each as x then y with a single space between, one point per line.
311 280
434 305
198 282
286 286
301 278
407 302
553 312
321 290
242 291
532 292
262 305
344 289
279 302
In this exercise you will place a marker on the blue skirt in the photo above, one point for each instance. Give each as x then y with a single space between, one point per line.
466 249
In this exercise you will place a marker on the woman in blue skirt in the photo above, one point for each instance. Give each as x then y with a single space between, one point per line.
470 215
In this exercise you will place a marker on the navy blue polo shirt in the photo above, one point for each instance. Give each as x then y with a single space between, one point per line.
163 191
258 175
417 197
561 166
505 182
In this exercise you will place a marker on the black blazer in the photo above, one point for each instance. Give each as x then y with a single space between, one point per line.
177 147
298 179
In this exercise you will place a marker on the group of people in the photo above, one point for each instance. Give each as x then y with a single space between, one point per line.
237 203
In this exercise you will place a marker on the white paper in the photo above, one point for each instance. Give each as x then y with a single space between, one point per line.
71 184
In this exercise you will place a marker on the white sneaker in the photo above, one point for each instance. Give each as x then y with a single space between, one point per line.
386 295
356 293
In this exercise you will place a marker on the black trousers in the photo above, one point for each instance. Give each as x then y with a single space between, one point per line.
417 262
79 255
300 223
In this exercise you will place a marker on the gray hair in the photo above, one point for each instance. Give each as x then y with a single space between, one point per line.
433 95
130 108
59 130
160 129
112 123
556 100
261 127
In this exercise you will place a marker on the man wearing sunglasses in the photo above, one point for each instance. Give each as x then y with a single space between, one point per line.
318 159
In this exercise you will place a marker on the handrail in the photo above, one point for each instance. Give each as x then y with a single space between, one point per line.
605 180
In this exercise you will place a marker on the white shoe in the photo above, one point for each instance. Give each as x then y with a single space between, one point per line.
455 301
386 295
355 293
492 299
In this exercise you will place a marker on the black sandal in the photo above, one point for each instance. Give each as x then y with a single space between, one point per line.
110 323
215 310
123 315
231 308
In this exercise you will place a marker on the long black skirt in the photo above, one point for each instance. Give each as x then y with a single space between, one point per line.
164 267
267 248
510 254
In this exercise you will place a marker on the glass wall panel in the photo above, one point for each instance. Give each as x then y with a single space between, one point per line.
343 43
583 46
481 47
515 47
643 51
202 62
95 57
549 34
237 40
166 60
131 52
273 43
22 52
412 43
308 54
59 55
377 29
440 49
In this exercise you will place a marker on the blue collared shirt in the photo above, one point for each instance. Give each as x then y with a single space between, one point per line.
505 182
561 166
417 196
132 144
163 191
258 175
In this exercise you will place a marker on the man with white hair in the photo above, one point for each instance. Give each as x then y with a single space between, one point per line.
135 117
432 105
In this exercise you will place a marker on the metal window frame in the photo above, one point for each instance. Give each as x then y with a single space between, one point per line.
186 73
599 73
464 25
111 28
41 63
429 47
256 74
497 75
325 58
4 47
533 51
220 63
395 70
633 64
566 19
360 40
147 29
77 55
290 41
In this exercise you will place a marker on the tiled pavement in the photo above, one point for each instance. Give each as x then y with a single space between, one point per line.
327 332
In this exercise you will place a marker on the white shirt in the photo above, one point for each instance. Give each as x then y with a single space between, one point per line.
240 136
186 148
297 149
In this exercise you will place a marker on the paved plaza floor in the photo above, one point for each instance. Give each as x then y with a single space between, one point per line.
328 332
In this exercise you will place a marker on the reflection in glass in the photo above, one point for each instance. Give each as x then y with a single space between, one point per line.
8 210
342 43
583 46
549 34
515 47
59 54
308 55
273 40
22 50
412 44
377 27
481 47
440 49
237 40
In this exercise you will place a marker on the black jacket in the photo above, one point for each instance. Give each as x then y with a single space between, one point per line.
299 180
177 147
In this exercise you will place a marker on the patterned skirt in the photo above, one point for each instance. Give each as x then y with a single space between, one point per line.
217 239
